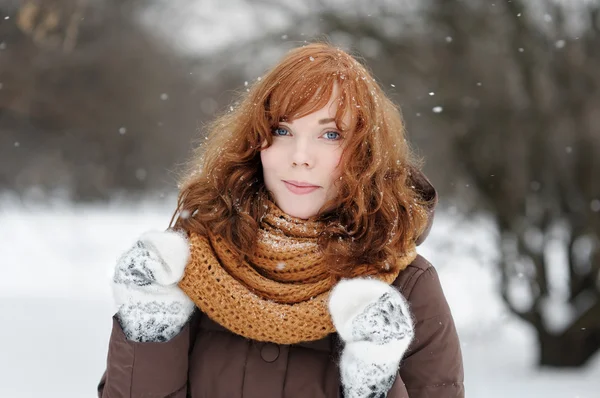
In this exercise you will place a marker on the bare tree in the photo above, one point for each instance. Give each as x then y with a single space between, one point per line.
92 101
531 149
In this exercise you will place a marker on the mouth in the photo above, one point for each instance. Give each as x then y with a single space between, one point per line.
301 184
299 187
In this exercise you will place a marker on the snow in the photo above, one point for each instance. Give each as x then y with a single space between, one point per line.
56 307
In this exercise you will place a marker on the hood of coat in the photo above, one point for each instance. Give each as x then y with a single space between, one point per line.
429 194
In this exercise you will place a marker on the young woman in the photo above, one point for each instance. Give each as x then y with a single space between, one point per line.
291 269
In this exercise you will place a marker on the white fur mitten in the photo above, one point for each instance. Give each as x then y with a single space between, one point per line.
373 320
151 307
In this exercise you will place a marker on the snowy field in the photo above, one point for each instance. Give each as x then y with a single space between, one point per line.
55 304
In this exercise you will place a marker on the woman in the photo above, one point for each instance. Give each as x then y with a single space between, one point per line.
291 270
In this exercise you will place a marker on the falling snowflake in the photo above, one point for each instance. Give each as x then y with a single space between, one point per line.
438 109
164 96
141 174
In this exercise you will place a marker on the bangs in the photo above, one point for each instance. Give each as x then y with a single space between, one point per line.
308 87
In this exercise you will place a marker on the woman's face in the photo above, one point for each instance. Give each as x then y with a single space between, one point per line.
300 168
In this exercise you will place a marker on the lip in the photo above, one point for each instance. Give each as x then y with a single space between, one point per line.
300 189
301 183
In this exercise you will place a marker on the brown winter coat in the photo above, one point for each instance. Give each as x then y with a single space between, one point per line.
207 361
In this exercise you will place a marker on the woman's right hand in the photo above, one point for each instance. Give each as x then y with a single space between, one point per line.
151 307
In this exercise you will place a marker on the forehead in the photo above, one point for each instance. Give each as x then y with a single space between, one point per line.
326 114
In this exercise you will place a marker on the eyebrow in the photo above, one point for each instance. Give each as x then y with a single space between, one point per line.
321 121
325 121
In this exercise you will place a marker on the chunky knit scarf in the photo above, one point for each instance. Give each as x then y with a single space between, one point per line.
280 293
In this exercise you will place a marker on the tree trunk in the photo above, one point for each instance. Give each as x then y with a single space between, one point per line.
570 349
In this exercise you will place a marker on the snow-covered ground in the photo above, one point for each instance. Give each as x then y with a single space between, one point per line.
55 304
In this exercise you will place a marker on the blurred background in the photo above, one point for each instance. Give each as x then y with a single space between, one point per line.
101 103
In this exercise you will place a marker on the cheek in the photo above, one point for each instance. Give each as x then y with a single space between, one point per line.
335 163
265 158
333 168
269 160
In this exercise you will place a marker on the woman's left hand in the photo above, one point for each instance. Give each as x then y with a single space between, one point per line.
374 321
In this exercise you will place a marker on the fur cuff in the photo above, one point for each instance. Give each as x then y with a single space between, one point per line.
349 300
173 249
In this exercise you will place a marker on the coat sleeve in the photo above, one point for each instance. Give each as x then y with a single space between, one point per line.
156 370
433 365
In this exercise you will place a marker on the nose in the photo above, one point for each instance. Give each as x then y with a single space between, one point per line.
302 154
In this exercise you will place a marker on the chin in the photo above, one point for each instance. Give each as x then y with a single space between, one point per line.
299 212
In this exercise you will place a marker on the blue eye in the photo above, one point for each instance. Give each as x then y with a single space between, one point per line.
332 135
329 136
280 131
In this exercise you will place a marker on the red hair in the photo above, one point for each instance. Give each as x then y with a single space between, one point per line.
377 213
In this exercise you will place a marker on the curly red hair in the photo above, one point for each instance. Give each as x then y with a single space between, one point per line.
377 213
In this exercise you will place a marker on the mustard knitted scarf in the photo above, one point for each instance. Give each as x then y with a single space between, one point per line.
280 293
